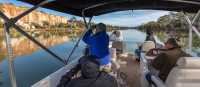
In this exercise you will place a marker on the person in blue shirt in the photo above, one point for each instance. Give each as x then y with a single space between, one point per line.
98 41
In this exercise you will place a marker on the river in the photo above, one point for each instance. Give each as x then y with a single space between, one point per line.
35 66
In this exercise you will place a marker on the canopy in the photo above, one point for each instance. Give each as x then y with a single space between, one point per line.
98 7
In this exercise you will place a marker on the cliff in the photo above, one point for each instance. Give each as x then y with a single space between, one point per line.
38 17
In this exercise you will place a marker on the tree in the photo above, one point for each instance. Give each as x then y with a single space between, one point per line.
1 24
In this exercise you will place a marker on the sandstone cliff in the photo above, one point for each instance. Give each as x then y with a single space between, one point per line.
38 17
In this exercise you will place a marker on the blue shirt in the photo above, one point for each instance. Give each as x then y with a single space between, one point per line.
98 45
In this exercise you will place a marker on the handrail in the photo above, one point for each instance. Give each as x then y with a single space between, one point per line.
77 43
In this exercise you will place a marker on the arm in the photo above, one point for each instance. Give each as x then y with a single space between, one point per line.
102 40
158 62
87 37
67 77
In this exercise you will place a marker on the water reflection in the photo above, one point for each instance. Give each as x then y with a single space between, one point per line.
33 67
21 45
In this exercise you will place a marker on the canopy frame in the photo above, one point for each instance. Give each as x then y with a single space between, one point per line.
191 29
76 7
87 26
11 22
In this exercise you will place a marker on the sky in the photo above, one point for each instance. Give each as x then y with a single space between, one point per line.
122 18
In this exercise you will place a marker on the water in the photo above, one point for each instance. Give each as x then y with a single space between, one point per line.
34 67
132 38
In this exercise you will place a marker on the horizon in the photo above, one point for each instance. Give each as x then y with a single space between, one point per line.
129 18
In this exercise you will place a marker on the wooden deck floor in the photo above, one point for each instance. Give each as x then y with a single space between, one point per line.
131 68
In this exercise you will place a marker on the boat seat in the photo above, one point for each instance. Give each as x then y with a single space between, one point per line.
118 45
185 74
147 45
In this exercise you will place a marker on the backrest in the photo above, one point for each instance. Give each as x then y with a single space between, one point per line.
147 45
118 45
185 74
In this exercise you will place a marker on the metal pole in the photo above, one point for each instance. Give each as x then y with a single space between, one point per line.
31 9
191 28
185 1
12 21
196 31
77 43
190 38
89 23
38 43
10 56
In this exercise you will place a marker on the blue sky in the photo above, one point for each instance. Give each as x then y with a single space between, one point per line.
122 18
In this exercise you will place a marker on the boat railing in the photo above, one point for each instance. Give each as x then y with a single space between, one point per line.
54 79
145 71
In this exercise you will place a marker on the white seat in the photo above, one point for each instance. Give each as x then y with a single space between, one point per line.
147 45
185 74
118 45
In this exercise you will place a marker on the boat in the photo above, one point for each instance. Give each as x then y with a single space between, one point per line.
133 72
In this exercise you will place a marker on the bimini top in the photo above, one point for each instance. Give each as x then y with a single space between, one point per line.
98 7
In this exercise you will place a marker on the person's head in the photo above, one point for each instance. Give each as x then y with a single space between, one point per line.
118 33
149 32
171 43
114 32
90 67
100 27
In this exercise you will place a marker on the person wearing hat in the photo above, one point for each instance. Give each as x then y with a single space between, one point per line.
167 59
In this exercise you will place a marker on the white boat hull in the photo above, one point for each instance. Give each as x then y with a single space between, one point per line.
53 79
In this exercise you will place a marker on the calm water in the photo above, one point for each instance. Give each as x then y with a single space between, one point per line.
34 67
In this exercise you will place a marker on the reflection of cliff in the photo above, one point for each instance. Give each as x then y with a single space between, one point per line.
23 46
36 16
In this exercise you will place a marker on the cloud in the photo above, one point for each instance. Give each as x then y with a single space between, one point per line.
134 18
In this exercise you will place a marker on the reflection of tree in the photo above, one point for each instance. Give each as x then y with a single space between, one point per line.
1 24
73 27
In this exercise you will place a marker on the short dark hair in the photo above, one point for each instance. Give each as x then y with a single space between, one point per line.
91 58
102 26
149 31
173 42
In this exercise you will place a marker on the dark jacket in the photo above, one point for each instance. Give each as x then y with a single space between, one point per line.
165 61
102 80
90 75
98 44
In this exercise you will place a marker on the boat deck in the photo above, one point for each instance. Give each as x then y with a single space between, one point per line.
131 68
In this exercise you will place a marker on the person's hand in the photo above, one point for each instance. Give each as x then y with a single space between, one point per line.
63 81
152 52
